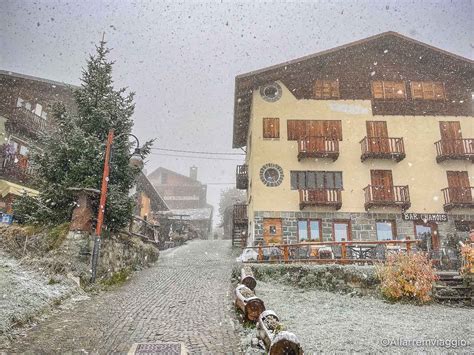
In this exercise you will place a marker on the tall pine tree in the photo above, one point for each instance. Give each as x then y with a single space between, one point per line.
73 152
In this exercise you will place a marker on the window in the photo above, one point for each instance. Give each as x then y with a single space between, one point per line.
271 92
164 178
386 230
326 89
309 229
299 129
341 230
271 128
427 90
316 180
20 102
388 90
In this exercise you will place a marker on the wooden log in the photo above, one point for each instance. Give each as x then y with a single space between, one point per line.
247 278
285 343
277 341
249 304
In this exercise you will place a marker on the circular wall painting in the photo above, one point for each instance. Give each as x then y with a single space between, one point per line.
271 174
271 92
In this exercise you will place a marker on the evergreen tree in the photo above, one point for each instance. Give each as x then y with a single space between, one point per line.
74 150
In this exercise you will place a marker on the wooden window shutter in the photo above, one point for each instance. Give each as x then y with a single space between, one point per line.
301 129
377 90
318 89
271 128
335 89
291 128
297 129
416 90
333 129
326 89
428 91
439 91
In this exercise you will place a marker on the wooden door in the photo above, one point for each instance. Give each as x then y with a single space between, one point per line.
450 137
377 136
382 185
272 231
459 189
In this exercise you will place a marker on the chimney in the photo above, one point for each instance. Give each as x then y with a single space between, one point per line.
193 172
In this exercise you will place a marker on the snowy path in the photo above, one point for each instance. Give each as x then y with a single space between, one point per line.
184 297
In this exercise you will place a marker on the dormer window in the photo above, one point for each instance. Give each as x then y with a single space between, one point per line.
326 89
389 90
427 90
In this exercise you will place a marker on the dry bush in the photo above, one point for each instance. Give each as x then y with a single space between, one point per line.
407 277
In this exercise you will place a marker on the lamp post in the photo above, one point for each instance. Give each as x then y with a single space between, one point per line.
136 161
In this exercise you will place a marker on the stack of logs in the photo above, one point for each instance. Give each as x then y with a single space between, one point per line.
269 328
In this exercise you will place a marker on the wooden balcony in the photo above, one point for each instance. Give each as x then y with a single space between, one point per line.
26 122
239 215
383 196
318 147
455 149
458 197
382 148
320 197
241 177
16 168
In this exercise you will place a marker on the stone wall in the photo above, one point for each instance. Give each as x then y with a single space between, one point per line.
117 253
356 279
57 251
362 224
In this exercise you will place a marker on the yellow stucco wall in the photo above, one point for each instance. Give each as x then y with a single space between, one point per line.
419 169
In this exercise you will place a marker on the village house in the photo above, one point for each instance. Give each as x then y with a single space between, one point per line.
373 140
148 201
185 196
25 113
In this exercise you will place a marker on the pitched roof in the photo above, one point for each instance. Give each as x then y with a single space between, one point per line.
161 170
246 83
35 78
157 202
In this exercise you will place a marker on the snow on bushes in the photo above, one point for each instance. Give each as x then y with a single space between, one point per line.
407 277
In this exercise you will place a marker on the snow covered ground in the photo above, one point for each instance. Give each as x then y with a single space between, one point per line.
25 294
330 322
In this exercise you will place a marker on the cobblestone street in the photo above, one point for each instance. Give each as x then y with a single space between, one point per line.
184 297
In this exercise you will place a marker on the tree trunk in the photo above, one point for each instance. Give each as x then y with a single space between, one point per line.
249 304
276 340
247 278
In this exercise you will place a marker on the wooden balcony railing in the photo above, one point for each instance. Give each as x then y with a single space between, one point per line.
320 197
456 149
389 196
382 148
241 177
26 122
239 214
331 252
318 147
16 168
458 197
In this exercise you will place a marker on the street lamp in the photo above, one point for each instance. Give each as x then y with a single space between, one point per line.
136 161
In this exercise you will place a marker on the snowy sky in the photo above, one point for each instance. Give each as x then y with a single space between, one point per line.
181 58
